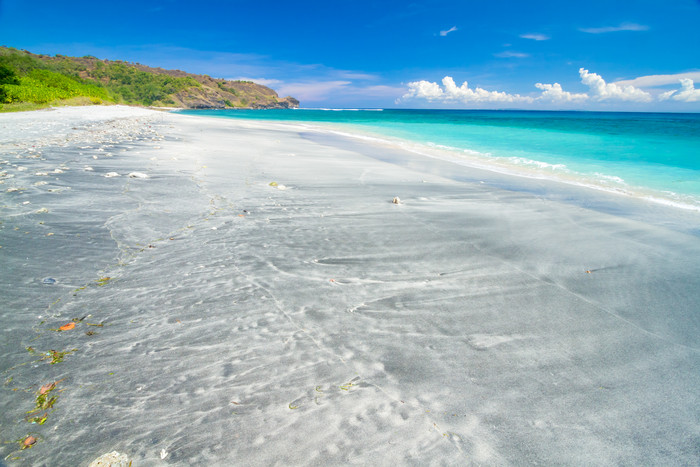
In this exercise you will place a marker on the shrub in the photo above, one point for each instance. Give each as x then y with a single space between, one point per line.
8 75
42 86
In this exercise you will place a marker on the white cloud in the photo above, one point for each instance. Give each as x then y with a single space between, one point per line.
424 90
535 37
343 74
509 54
555 93
264 81
452 29
309 92
600 90
659 80
379 91
621 27
687 93
667 95
312 91
451 93
465 94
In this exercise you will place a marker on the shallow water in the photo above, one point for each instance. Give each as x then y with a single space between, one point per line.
322 324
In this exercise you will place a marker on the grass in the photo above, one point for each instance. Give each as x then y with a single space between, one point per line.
73 101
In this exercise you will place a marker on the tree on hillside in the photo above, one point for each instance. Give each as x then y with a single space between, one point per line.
7 76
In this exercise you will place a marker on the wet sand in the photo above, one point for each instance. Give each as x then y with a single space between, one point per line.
262 301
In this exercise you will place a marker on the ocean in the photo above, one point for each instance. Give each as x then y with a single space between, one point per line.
655 156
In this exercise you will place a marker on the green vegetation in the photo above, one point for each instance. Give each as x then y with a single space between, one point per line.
43 86
8 77
29 81
26 82
134 86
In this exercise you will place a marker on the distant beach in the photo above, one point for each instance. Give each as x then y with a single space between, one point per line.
190 290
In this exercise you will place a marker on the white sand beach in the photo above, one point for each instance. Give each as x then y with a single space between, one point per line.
246 293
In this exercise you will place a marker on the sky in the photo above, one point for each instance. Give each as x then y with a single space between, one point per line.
636 55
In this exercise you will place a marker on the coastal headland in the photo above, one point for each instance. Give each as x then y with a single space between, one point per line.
29 81
200 291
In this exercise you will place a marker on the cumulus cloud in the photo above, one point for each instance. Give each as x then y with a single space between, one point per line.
424 90
555 93
621 27
452 29
601 91
451 93
660 80
687 93
466 94
535 37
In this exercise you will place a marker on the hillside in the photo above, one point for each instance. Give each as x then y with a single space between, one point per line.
42 79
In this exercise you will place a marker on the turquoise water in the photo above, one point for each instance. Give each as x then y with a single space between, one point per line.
650 155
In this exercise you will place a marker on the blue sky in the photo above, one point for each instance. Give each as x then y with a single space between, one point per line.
594 55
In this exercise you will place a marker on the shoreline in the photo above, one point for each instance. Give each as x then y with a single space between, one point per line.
512 166
261 299
647 209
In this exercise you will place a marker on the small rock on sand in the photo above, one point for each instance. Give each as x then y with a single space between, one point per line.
111 174
111 459
138 175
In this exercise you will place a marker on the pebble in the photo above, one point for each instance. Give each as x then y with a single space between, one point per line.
48 280
111 459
